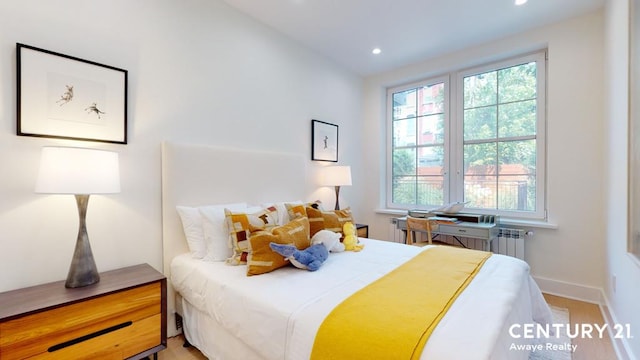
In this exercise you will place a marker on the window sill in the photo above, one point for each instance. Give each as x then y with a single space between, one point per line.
540 224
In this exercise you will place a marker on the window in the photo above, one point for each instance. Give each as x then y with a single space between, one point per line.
480 140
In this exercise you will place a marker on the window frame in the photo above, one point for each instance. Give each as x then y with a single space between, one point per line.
447 96
453 137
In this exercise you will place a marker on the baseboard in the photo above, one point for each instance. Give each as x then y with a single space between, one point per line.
584 293
620 345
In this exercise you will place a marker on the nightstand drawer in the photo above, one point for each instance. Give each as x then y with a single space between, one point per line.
118 344
116 319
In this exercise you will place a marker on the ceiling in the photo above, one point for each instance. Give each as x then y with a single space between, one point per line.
407 31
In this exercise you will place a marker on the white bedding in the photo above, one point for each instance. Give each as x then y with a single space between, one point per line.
276 315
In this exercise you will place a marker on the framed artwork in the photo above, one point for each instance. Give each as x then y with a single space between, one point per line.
324 141
61 96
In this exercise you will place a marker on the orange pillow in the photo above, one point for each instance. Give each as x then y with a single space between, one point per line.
316 220
261 259
332 220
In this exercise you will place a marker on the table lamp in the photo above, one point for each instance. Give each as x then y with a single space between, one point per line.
336 176
80 172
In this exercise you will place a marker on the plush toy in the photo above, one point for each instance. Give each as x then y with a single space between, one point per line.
350 241
315 255
330 240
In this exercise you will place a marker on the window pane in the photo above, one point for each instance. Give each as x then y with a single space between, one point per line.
517 119
404 132
430 160
430 190
517 157
480 191
404 190
404 162
517 181
517 192
404 104
431 129
517 83
404 179
432 99
480 159
480 123
480 90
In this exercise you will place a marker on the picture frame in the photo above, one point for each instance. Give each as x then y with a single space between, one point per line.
324 141
65 97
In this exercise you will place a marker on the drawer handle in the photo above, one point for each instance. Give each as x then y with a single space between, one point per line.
462 230
89 336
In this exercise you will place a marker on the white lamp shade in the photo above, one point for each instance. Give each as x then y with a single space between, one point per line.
70 170
336 176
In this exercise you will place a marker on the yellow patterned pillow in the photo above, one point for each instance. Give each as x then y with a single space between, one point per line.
241 225
261 259
299 210
296 210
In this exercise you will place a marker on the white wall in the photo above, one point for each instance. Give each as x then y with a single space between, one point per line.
572 253
624 299
199 72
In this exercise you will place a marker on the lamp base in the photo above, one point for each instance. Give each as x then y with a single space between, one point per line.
83 270
337 198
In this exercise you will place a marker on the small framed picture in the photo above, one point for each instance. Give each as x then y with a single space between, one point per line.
61 96
324 141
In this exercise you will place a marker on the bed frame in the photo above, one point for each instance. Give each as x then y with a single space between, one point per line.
198 175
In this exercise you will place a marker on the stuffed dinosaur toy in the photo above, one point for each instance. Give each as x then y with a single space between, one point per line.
315 255
350 240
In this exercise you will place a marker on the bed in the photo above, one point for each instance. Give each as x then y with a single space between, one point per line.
229 315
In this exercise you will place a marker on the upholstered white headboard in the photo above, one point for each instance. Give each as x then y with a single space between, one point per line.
198 175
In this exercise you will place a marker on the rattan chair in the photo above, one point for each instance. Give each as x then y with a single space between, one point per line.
419 224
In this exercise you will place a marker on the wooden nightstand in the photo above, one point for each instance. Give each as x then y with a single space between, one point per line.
363 230
121 317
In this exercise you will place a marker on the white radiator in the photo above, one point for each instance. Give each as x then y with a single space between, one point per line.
509 242
395 235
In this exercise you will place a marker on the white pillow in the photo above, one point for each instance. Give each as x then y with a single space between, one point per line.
192 226
216 234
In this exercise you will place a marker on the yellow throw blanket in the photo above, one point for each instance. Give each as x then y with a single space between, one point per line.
393 317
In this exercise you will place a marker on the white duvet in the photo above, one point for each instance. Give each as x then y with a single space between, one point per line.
277 314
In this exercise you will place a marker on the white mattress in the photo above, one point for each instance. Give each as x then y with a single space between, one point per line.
276 315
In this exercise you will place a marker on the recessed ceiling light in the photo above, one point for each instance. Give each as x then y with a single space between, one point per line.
376 51
521 2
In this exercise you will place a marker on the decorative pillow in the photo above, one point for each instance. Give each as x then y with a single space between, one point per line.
193 227
261 259
328 220
316 220
283 215
216 234
295 211
242 224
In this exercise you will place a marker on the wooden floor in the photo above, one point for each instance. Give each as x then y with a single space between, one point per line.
175 351
585 313
579 313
